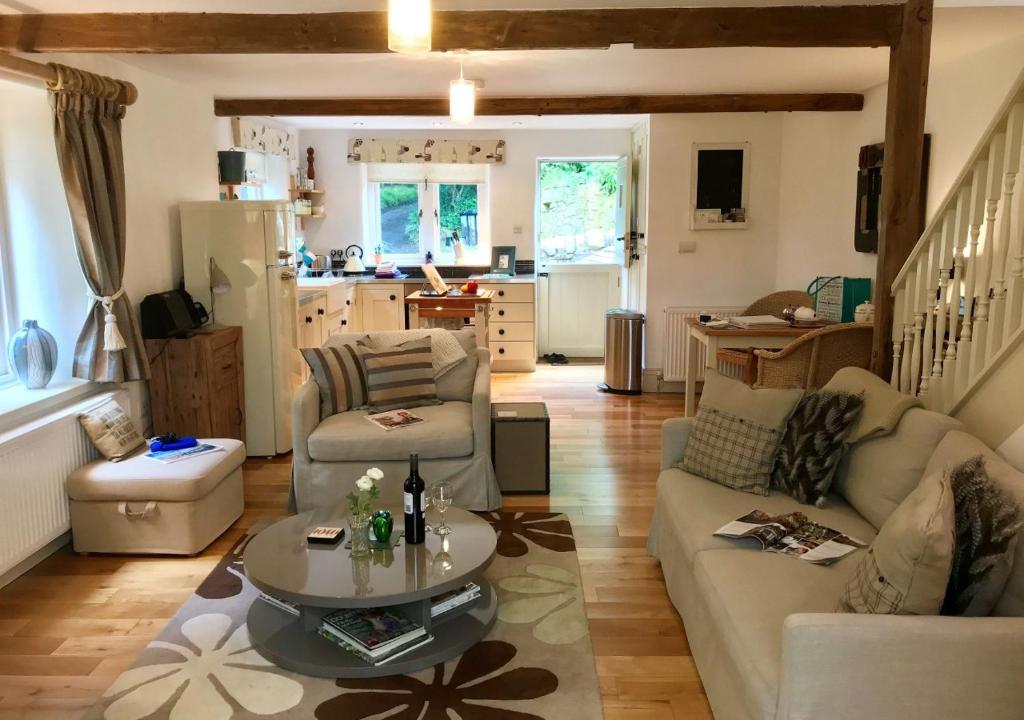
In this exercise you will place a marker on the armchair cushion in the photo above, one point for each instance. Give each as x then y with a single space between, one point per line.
400 376
446 433
339 375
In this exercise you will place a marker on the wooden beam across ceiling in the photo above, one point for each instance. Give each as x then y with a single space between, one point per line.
588 105
366 32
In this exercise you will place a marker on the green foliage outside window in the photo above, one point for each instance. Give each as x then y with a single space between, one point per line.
577 205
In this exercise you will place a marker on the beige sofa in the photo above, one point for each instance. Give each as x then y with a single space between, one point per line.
454 443
762 627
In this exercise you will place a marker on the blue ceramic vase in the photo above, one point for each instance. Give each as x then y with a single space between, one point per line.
32 353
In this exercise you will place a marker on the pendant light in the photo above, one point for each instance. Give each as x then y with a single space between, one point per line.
462 99
409 26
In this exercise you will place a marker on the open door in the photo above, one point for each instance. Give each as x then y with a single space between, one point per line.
624 229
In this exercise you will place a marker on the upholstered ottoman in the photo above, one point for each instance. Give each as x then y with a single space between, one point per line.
139 505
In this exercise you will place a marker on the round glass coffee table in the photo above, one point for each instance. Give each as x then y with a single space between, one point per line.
322 578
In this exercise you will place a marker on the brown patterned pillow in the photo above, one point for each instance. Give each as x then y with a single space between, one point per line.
338 372
400 376
111 430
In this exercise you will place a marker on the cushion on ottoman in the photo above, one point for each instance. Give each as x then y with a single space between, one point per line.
140 505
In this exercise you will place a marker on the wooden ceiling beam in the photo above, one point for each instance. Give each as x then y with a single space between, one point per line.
588 105
366 32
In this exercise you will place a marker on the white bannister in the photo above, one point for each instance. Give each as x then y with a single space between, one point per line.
959 299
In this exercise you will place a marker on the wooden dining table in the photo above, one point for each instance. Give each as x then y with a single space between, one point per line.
452 307
729 337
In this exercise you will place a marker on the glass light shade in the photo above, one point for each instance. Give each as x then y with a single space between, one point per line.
462 101
409 26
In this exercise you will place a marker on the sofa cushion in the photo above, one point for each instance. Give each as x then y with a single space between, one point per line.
338 373
446 433
401 376
749 595
139 478
737 433
813 444
458 383
696 508
111 431
987 524
906 570
877 474
884 405
955 448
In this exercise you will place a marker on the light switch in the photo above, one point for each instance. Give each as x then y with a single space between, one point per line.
517 229
687 246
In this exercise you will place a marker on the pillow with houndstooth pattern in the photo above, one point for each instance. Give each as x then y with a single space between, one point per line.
736 433
813 444
987 523
907 567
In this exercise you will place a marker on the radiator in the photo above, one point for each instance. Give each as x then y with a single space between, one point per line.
676 345
36 458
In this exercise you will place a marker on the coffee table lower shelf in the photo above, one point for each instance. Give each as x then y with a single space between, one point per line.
283 639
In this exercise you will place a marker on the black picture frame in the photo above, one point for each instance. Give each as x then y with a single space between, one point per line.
503 260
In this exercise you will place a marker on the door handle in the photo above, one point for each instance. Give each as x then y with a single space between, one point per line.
308 319
502 331
391 297
501 351
344 323
501 293
287 276
501 313
319 311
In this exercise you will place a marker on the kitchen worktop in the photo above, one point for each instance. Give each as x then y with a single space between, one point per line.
319 283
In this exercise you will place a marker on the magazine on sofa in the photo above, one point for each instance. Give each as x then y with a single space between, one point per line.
792 534
394 419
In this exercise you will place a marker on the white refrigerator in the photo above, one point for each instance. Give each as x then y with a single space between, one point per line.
253 243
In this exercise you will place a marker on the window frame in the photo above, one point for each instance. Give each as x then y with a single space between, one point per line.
428 197
8 377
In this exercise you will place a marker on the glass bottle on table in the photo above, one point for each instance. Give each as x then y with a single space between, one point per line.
415 504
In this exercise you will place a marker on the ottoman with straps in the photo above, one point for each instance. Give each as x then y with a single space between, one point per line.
139 505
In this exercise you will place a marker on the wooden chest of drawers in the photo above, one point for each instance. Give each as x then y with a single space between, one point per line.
512 327
197 384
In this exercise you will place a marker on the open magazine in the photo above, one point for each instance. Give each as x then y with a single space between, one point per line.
792 534
173 456
394 419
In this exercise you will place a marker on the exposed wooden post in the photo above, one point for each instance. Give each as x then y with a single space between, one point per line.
901 180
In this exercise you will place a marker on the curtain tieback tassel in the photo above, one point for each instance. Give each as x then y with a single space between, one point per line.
113 341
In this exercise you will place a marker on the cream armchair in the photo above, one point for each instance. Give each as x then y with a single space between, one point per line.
454 443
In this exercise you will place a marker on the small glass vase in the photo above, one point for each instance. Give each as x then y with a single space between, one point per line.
358 525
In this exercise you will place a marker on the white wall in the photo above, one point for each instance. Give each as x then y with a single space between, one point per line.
512 184
170 156
729 267
817 183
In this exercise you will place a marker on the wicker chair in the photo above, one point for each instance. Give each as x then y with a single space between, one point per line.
743 361
810 361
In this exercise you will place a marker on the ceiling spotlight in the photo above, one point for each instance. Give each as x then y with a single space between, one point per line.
409 26
462 99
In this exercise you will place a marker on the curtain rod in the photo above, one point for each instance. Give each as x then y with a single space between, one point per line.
13 65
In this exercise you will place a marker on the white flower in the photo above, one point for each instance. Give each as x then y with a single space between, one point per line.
364 483
375 474
228 659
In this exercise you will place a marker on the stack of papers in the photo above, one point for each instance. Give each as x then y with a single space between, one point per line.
758 321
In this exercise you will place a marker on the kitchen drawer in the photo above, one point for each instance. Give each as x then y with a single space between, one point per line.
510 292
510 332
512 312
513 356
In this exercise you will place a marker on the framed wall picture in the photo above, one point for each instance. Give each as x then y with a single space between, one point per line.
720 186
503 260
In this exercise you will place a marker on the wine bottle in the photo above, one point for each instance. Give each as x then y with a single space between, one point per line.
415 503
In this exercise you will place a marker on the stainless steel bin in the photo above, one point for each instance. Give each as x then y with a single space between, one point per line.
623 350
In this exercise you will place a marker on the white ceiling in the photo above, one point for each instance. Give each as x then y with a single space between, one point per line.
618 70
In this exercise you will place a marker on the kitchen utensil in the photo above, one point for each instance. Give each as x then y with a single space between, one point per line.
354 263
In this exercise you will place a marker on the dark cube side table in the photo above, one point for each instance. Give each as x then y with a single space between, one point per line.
521 447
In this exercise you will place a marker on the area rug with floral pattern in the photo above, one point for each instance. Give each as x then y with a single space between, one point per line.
536 663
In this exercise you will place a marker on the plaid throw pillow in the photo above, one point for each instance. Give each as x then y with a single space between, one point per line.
339 374
907 568
401 376
730 450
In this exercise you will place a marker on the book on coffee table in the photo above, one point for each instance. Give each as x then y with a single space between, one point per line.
373 629
379 658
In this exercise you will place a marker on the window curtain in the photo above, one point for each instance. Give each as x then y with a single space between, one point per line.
87 131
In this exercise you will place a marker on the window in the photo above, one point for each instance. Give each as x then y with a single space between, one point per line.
578 209
406 219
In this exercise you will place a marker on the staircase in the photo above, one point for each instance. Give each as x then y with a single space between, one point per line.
959 299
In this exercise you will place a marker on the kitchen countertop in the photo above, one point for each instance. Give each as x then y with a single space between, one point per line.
311 287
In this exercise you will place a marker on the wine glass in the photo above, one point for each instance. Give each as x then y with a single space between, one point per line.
441 498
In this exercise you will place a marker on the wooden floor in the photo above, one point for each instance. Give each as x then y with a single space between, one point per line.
72 624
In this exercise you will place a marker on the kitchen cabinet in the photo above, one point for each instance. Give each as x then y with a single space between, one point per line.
381 306
340 308
310 320
511 332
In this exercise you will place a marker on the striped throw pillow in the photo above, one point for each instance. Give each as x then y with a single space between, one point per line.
339 374
400 376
